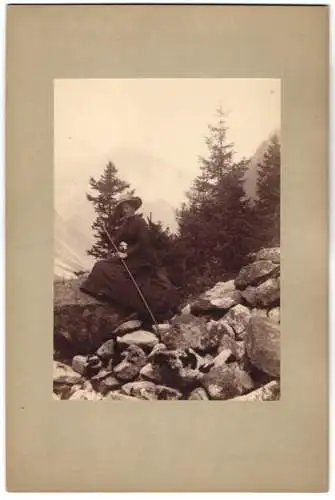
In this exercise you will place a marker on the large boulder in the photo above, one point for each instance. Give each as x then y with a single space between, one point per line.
187 331
106 350
150 372
129 368
142 338
237 348
268 392
272 254
175 368
128 326
255 273
227 381
238 318
150 391
266 295
221 297
81 323
263 345
274 314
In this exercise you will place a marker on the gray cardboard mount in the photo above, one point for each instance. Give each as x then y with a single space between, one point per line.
182 446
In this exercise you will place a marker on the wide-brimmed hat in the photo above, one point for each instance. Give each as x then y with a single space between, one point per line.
135 201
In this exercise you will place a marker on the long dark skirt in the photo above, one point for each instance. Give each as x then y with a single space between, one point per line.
110 280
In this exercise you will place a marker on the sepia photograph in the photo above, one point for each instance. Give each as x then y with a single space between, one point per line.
167 239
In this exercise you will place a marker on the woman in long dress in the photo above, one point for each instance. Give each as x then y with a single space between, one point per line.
110 281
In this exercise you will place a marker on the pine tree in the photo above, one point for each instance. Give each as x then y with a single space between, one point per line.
268 192
215 223
107 188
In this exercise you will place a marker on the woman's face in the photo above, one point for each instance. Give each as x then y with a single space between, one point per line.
127 209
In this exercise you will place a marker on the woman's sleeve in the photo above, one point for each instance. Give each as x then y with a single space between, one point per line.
118 235
141 237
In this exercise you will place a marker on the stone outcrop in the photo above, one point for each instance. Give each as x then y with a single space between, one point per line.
263 345
224 345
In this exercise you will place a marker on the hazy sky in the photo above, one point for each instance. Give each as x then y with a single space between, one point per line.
153 129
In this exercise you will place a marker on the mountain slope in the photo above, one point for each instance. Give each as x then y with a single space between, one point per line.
250 185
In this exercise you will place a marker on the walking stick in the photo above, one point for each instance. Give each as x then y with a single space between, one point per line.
132 279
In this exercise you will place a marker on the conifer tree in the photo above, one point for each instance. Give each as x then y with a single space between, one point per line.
268 192
107 189
215 223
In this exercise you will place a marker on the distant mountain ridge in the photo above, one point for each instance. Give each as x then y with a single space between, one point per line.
250 184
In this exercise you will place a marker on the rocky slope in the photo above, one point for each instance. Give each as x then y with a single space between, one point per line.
225 345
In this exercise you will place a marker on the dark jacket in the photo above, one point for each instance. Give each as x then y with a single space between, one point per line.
135 232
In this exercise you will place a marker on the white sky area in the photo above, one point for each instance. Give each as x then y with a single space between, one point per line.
153 130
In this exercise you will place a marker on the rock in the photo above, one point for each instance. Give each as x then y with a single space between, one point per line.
249 295
269 392
221 289
255 273
63 374
118 396
140 337
237 348
152 373
192 332
185 331
87 386
79 364
150 391
139 389
165 393
262 313
208 306
263 345
163 327
227 381
196 361
65 391
81 323
186 310
86 329
222 358
176 369
157 348
106 350
201 306
274 314
225 328
94 365
99 377
272 254
221 297
229 300
133 360
128 326
238 318
67 292
268 293
198 394
85 395
108 384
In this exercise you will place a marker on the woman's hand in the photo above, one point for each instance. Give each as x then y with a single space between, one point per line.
122 255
